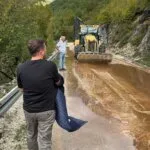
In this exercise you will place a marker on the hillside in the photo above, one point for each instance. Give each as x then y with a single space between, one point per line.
128 21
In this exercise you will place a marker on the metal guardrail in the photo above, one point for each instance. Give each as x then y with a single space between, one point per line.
53 56
10 98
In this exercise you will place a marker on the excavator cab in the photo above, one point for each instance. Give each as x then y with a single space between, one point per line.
91 42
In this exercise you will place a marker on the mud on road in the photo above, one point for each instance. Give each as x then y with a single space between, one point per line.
113 98
119 90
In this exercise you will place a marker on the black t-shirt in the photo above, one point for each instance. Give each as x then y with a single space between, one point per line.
37 78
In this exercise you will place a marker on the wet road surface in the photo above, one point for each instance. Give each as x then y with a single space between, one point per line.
114 99
101 132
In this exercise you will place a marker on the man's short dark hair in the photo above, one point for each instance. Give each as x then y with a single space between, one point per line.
35 46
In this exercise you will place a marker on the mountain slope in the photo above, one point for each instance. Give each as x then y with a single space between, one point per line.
128 20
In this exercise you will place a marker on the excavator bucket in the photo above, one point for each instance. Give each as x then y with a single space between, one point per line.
92 57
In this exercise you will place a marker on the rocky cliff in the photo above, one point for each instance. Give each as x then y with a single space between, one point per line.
132 39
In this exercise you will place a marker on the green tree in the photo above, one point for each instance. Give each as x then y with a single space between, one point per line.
21 20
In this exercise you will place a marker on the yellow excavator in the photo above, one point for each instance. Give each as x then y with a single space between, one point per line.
91 42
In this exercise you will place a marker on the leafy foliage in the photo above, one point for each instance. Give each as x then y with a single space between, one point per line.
64 12
21 20
92 12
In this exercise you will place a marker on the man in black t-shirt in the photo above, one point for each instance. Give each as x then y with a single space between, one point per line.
38 79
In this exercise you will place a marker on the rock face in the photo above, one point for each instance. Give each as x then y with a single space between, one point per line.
132 39
145 16
144 47
127 51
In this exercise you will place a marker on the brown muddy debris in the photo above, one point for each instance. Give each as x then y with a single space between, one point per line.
100 133
120 90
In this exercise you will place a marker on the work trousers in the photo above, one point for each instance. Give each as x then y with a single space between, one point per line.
61 60
39 130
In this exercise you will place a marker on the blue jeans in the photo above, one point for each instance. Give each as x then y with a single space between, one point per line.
61 60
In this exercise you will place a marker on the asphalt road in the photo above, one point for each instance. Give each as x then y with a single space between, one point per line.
100 133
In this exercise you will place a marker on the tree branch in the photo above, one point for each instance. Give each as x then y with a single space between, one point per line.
6 75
